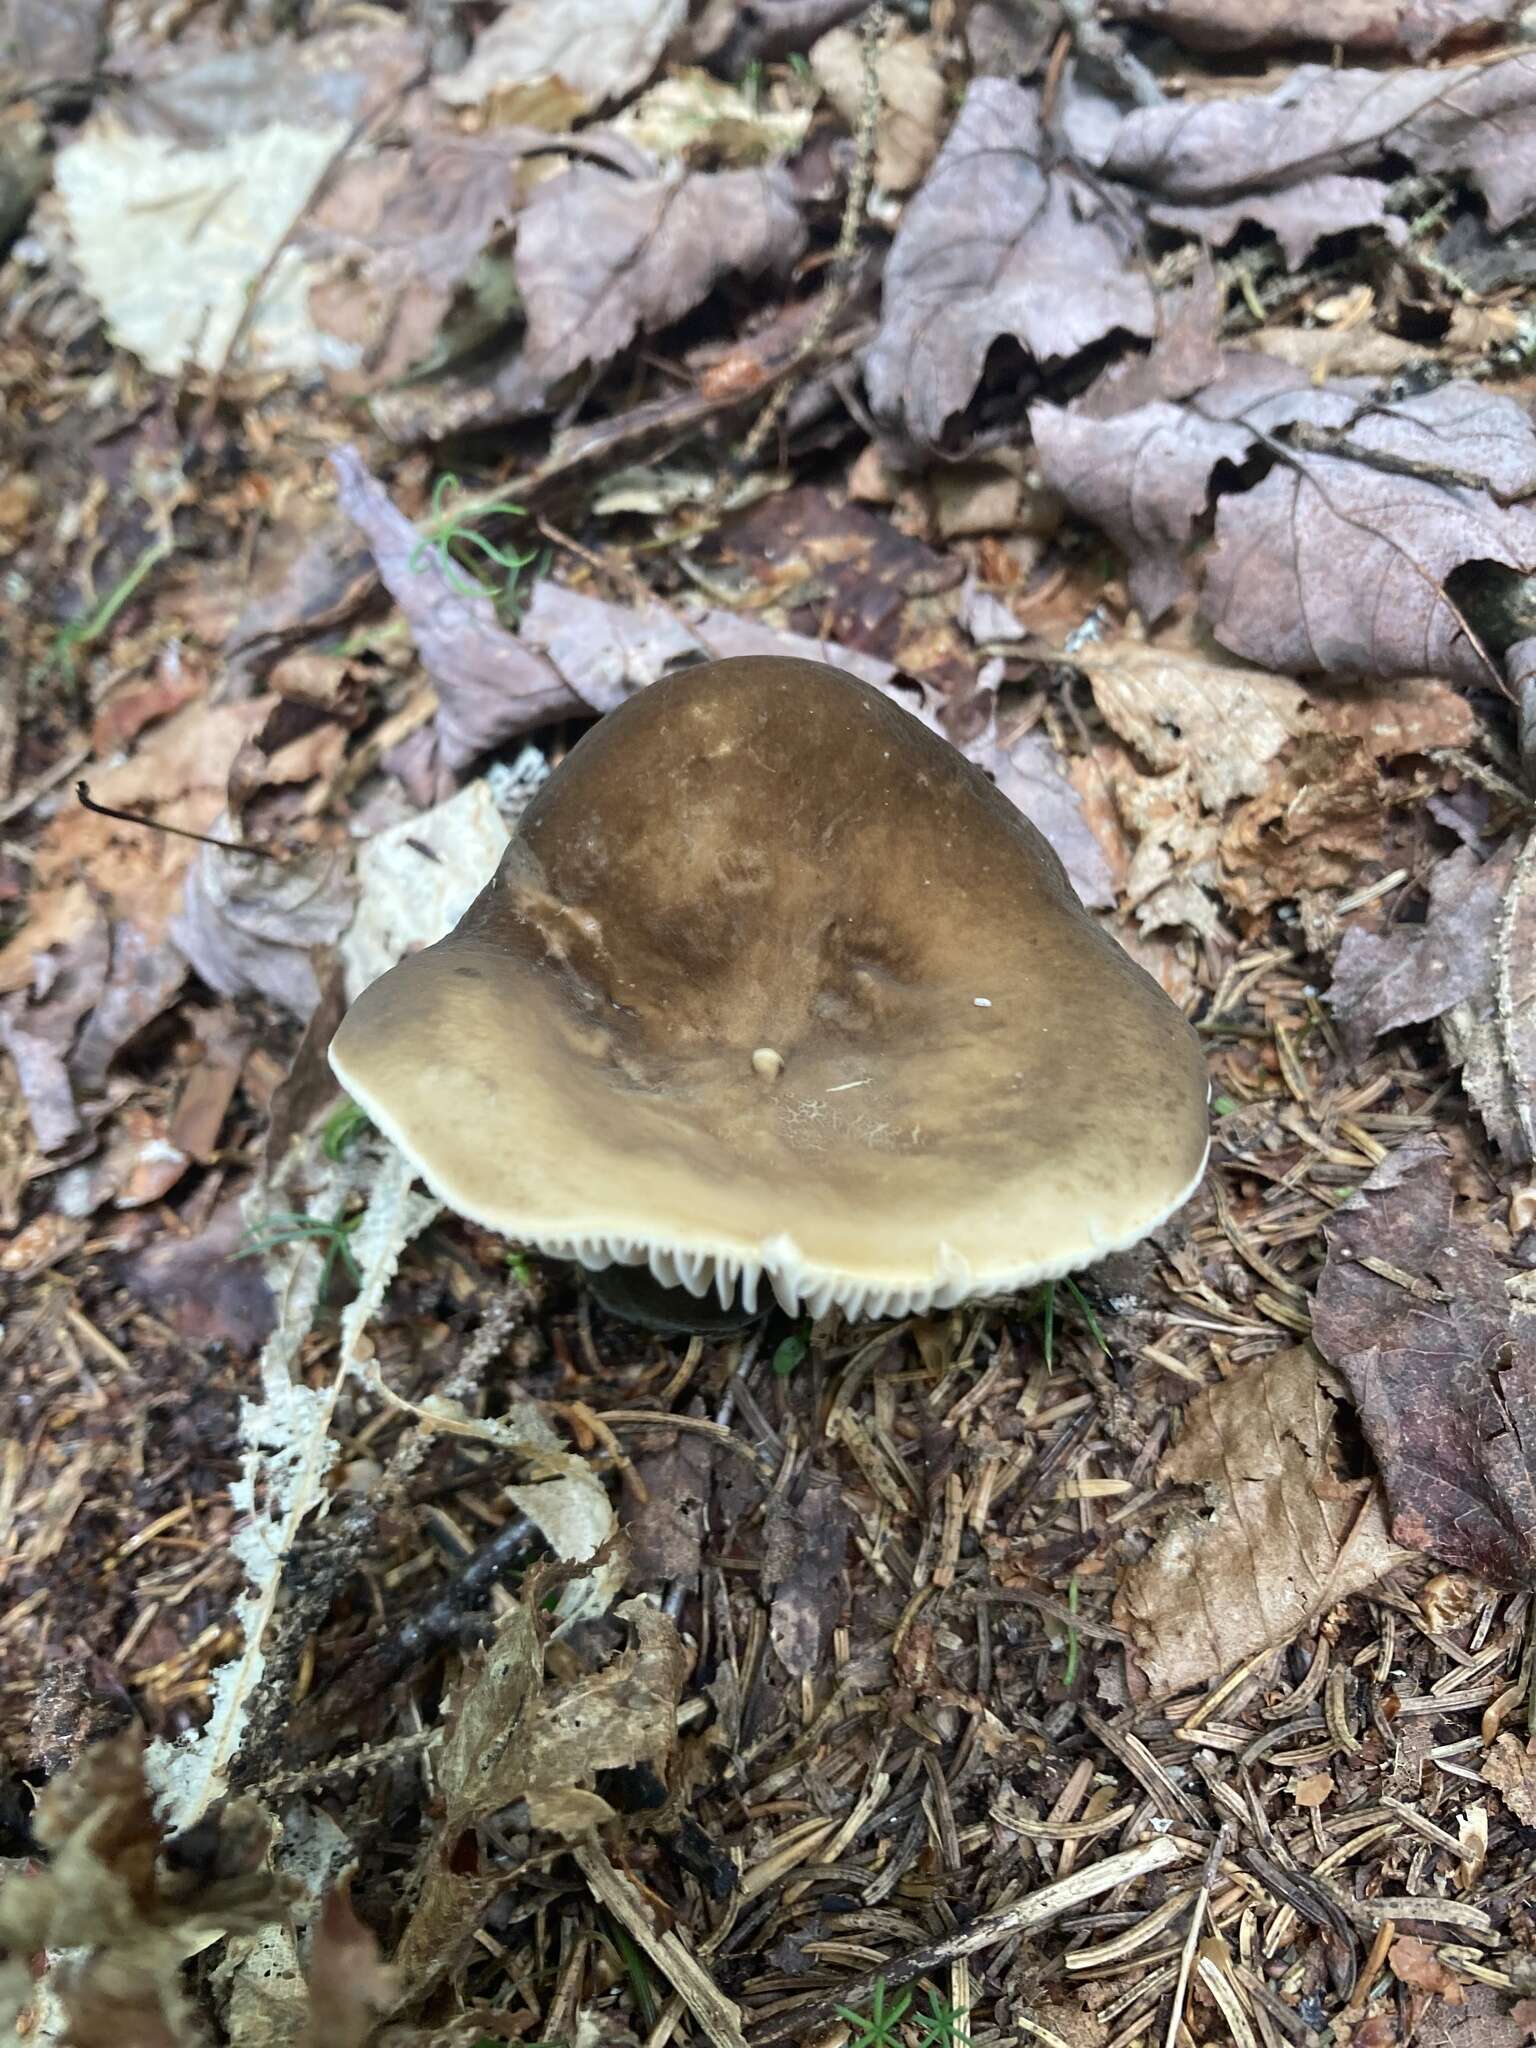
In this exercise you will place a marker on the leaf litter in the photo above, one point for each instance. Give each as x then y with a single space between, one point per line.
1148 1663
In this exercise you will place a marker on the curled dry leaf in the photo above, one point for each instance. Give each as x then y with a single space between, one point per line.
1378 28
1282 1535
508 1740
999 241
1477 120
1439 1351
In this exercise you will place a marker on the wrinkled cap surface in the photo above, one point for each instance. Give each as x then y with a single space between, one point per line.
773 986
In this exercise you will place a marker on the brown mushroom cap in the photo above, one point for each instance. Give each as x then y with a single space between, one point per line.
771 982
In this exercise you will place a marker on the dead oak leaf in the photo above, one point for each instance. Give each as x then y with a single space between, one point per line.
1000 240
1511 1770
1280 1539
1440 1358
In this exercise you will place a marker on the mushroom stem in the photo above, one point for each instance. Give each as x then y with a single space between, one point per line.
636 1296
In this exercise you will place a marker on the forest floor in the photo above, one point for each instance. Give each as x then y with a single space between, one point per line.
397 1648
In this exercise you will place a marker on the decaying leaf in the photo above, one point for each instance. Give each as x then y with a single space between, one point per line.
1377 28
706 121
1315 825
509 1739
1418 1313
1000 241
1511 1769
171 241
1415 1962
1283 1535
537 61
106 1895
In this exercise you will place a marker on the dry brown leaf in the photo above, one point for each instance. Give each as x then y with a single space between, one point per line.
1316 825
1479 120
348 1983
1281 1537
1440 1358
1511 1770
1413 973
912 99
1412 28
1002 239
1414 1962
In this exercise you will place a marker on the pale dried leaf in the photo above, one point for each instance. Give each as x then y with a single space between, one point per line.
911 108
1280 1540
1227 721
692 115
408 898
996 244
596 50
170 242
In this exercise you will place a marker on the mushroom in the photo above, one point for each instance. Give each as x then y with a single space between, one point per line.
772 985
